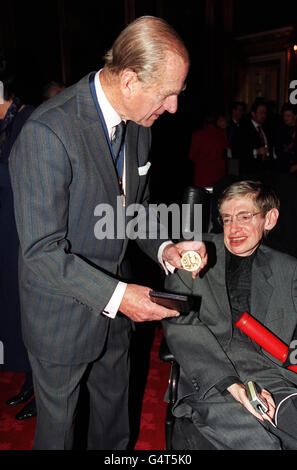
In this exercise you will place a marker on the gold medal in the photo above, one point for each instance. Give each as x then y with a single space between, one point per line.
191 260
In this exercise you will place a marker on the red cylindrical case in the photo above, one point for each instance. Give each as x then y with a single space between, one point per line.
263 337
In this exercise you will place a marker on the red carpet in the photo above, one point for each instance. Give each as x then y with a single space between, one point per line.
19 435
14 435
151 436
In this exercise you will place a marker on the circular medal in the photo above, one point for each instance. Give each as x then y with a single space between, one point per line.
191 260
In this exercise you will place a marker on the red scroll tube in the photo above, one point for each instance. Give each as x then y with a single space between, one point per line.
262 336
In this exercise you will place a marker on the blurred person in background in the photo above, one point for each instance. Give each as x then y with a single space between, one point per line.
235 126
13 115
208 147
257 151
286 140
52 89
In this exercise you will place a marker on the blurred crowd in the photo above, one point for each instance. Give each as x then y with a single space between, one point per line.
245 143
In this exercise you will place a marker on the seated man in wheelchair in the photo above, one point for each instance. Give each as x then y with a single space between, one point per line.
217 359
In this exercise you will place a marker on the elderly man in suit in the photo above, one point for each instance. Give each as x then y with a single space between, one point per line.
77 309
217 359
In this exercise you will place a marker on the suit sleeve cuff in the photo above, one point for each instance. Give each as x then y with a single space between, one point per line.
114 303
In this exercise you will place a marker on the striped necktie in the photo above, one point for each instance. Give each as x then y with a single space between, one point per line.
117 140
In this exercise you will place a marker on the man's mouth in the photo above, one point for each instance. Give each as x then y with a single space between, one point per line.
237 239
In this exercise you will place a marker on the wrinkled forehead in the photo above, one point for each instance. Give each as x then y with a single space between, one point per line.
239 203
173 71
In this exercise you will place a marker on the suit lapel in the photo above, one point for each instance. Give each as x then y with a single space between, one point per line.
216 277
132 177
262 288
93 133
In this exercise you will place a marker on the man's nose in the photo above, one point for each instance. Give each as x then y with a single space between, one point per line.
170 104
234 225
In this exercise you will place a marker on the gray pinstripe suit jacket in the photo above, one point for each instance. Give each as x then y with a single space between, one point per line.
61 169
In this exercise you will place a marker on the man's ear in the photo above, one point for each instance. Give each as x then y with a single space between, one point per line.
129 82
271 219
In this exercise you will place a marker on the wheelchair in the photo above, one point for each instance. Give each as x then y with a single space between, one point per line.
180 433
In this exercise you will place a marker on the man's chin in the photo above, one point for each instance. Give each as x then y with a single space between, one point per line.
150 121
241 251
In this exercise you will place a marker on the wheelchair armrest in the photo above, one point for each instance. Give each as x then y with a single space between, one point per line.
165 355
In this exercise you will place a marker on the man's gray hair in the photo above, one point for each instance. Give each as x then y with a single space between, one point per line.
142 47
264 197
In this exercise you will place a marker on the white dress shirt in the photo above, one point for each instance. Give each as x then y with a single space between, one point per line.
256 125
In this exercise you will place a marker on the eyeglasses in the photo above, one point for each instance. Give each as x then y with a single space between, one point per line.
242 218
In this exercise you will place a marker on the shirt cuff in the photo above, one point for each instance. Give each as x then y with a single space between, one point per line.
166 266
113 305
